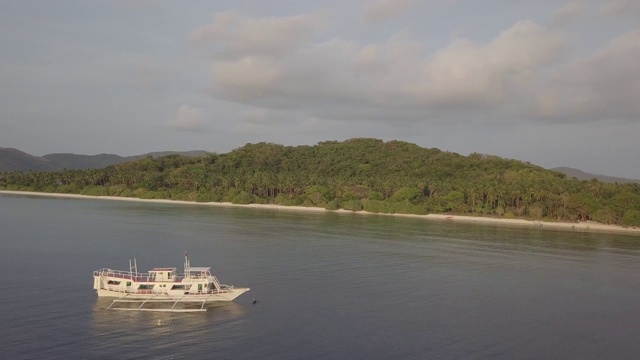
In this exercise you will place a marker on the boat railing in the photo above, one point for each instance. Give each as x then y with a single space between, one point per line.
136 291
118 289
146 277
195 276
139 277
216 283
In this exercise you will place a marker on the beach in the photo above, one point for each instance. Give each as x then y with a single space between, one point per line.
588 226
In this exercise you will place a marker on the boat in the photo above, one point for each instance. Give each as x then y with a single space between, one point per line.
163 289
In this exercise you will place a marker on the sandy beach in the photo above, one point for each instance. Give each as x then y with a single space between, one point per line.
566 226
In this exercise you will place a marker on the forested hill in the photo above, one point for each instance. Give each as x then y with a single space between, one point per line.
358 174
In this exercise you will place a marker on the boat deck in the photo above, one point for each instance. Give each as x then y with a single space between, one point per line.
144 277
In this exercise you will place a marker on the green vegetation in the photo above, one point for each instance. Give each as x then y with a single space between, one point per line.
358 174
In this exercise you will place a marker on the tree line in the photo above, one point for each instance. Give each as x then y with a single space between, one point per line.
357 174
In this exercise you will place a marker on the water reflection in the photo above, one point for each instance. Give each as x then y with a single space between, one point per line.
255 222
154 324
149 334
109 320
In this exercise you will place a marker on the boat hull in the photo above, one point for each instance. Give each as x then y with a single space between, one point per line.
228 295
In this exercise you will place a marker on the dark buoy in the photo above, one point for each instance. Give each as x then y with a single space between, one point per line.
254 301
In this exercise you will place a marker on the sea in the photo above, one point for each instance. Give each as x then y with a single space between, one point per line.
326 285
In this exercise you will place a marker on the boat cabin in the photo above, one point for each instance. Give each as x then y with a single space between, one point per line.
162 274
197 273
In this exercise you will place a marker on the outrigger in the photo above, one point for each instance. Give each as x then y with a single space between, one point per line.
197 286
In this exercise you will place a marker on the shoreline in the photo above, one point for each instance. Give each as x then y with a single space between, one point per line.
583 227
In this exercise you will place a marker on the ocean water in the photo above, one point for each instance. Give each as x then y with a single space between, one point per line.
329 286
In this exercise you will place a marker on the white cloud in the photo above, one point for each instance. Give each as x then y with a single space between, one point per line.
604 85
188 118
381 10
233 35
247 78
522 73
467 73
341 77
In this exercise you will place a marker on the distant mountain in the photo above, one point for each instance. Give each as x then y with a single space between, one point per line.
581 175
16 160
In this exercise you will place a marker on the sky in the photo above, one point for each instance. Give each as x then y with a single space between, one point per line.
555 83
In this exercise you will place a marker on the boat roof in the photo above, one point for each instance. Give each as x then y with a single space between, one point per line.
198 269
163 269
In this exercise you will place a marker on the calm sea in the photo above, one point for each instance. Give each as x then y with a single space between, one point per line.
329 286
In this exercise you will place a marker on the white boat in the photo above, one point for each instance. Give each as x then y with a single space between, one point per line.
163 287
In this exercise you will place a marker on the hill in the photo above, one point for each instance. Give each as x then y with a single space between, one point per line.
16 160
581 175
357 174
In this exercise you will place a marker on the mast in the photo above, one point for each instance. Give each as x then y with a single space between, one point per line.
133 267
187 266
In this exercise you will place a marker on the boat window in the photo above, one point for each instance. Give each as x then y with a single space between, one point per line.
112 282
180 287
146 286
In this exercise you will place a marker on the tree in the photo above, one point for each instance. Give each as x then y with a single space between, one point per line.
410 194
605 215
455 201
582 204
631 218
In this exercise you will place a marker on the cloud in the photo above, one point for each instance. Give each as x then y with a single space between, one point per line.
524 72
568 13
188 118
291 124
604 85
232 35
247 78
344 75
622 8
381 10
467 73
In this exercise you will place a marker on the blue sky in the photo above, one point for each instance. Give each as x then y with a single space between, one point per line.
550 82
